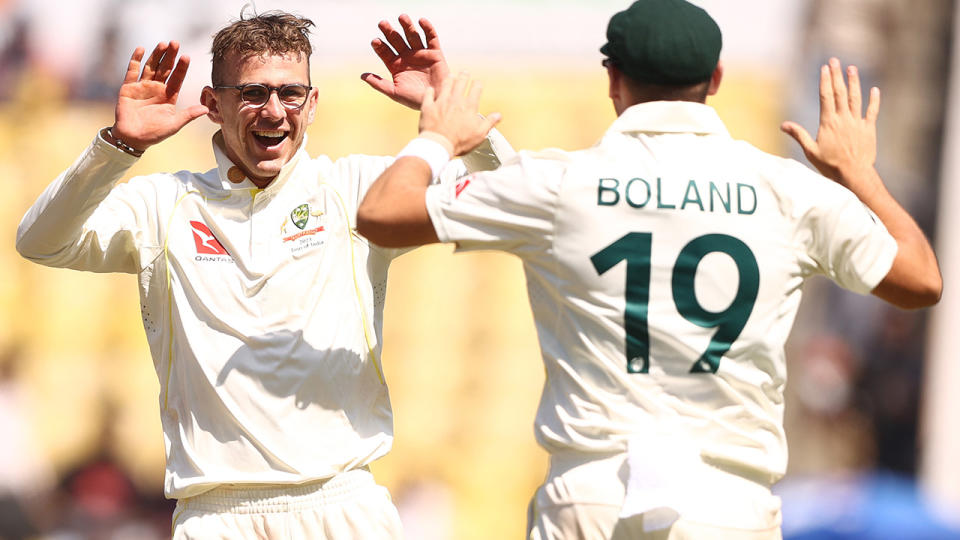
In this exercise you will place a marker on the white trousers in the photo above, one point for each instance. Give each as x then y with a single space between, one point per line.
583 495
348 506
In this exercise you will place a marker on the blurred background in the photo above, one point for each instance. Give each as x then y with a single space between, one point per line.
872 411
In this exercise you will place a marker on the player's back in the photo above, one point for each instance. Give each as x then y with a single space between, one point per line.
671 286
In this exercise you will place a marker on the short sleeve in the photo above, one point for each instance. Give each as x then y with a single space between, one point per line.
843 238
510 209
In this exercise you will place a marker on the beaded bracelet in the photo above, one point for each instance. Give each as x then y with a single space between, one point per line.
122 145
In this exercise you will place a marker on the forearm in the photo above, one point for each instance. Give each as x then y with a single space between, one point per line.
56 219
394 212
914 280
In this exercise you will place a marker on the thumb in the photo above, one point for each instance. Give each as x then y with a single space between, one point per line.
191 113
377 83
493 119
799 134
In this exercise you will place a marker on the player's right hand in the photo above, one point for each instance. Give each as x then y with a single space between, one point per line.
453 113
146 111
845 149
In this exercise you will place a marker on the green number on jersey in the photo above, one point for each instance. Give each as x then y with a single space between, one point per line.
635 248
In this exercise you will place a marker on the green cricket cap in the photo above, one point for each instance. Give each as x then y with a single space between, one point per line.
671 42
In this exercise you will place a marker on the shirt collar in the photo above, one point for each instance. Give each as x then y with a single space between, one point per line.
224 164
670 117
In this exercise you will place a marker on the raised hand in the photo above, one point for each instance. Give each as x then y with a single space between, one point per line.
453 114
413 67
146 110
846 143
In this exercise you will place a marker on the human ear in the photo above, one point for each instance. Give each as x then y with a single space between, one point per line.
715 79
312 105
208 97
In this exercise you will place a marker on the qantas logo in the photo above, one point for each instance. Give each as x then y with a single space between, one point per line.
207 243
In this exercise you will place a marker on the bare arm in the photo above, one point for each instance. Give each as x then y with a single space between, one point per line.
845 151
393 212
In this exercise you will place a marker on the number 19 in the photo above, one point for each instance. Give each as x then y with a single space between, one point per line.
635 248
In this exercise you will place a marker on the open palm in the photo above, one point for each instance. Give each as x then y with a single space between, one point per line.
146 111
414 67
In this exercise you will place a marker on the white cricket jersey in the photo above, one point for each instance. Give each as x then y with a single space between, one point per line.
664 268
262 307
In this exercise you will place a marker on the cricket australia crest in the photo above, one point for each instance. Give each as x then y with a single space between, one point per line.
303 229
300 215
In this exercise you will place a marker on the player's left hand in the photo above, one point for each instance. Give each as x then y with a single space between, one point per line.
414 67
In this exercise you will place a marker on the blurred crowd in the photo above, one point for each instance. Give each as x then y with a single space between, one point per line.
856 367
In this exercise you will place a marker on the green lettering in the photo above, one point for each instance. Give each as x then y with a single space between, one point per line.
692 186
627 192
659 193
601 188
740 207
725 203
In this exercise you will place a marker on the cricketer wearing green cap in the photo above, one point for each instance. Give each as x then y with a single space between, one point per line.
664 42
664 268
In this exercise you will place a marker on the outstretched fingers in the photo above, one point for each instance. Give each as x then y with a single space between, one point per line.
856 95
384 52
165 67
460 84
409 30
828 106
153 62
473 98
839 87
873 106
433 39
393 37
133 68
177 76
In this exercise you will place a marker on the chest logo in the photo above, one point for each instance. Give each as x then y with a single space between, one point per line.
207 243
300 215
308 223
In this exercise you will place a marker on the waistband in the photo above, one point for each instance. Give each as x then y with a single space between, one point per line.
273 498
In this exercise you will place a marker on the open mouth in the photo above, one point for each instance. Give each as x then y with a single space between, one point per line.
269 138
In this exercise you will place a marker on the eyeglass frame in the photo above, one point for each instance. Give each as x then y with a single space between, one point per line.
270 90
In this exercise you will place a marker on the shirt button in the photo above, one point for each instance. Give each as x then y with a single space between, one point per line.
235 175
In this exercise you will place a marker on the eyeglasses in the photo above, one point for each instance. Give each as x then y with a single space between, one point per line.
292 96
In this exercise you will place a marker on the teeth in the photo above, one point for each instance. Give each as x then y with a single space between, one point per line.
269 133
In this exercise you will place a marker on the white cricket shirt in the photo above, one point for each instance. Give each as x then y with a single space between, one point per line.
262 308
664 269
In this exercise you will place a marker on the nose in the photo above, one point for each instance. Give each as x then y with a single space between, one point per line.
273 108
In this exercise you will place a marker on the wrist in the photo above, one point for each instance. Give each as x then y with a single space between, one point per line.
438 138
429 148
108 135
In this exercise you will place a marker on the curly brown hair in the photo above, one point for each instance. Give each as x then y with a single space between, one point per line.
270 33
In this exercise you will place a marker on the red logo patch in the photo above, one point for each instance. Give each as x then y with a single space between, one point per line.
462 185
206 242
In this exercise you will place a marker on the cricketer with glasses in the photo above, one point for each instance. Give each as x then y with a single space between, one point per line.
261 304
